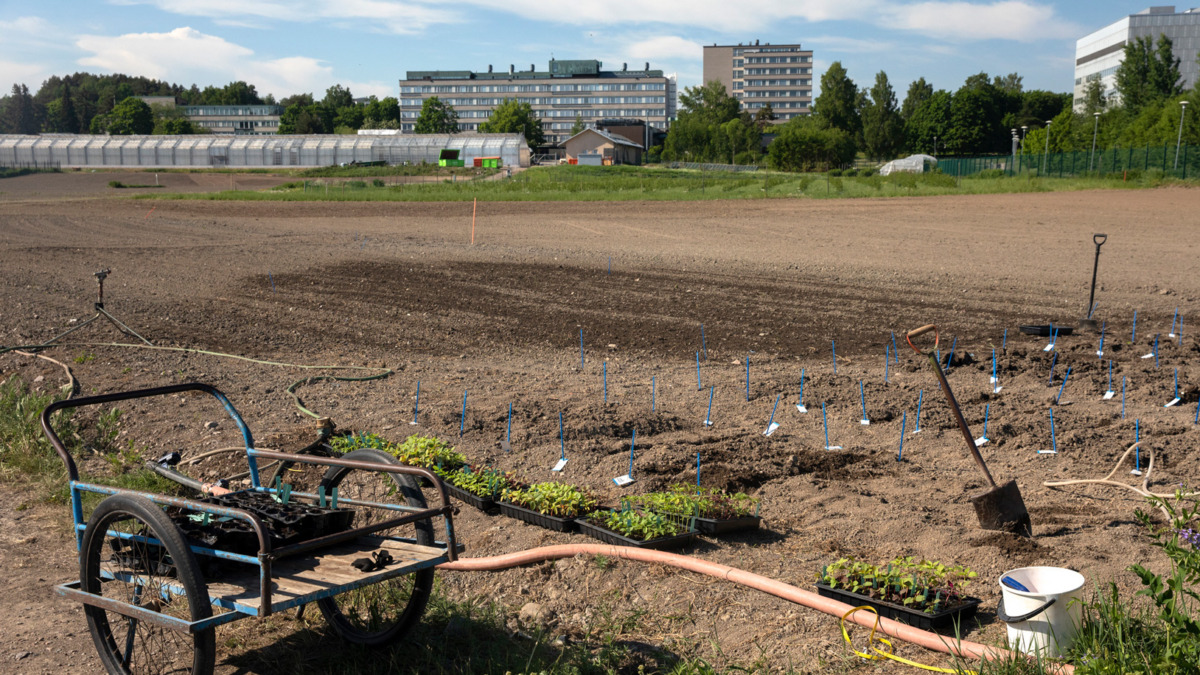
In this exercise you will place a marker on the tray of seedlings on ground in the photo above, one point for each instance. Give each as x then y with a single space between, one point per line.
429 452
629 526
478 486
552 505
922 593
716 511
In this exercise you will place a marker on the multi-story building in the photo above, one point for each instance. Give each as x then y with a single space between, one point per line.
1097 56
568 90
758 75
252 120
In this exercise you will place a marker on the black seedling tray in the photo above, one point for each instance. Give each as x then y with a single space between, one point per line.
661 544
285 523
533 517
471 499
1047 331
712 526
946 618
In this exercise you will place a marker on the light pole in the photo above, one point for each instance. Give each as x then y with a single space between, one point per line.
935 146
1014 151
1179 138
1095 128
1046 155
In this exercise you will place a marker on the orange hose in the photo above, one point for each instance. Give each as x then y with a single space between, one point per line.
900 631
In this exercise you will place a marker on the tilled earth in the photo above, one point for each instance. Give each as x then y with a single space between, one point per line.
778 282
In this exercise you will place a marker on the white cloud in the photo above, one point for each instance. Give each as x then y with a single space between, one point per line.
1009 20
663 48
19 38
836 43
186 55
390 16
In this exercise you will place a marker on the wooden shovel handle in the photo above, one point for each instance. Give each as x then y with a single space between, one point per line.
921 331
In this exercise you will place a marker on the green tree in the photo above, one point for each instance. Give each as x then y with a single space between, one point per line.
699 135
68 119
513 116
382 110
743 139
578 126
929 123
1147 74
883 128
765 116
302 119
437 117
810 143
350 117
709 103
177 126
1093 97
301 99
918 92
20 114
337 97
1009 84
838 102
131 116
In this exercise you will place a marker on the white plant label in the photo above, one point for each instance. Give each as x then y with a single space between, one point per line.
916 431
561 463
413 423
622 481
997 390
1108 394
1170 335
707 422
1048 347
506 446
801 408
833 447
771 429
1099 353
864 421
1136 472
980 441
1149 356
1047 452
1171 402
992 380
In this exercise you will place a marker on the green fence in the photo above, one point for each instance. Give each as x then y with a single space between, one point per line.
1114 161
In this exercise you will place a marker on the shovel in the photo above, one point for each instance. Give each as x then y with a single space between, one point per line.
1000 507
1088 323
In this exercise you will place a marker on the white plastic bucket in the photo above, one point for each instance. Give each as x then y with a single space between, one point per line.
1043 620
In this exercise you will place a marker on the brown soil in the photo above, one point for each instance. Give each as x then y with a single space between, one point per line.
398 285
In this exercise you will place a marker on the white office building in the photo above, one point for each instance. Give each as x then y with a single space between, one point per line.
1098 55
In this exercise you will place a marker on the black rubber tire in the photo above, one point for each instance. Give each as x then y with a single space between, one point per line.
388 623
298 477
128 646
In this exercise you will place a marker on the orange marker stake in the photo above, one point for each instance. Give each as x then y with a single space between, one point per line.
149 212
474 207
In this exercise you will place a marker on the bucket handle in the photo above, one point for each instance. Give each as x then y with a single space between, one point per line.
1000 614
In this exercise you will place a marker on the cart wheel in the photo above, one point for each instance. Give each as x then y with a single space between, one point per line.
133 553
302 477
377 613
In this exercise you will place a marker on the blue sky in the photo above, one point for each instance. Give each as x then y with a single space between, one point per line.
291 46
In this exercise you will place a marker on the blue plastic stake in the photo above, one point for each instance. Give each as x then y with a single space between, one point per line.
581 349
699 387
825 422
610 265
708 415
903 422
272 278
1176 383
462 423
1137 452
800 405
953 346
1064 385
747 378
895 352
1122 397
653 391
1196 418
703 343
887 357
863 399
1053 361
1173 321
562 445
632 444
1092 310
508 435
1053 442
771 422
995 380
1156 351
417 403
697 472
1133 334
833 346
1004 342
920 398
987 409
1109 390
1100 350
606 382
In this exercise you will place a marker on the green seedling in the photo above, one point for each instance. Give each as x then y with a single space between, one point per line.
552 499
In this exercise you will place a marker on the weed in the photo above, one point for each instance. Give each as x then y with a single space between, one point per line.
85 357
602 562
108 428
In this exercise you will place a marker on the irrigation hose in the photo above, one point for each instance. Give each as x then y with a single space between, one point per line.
1144 490
72 384
895 629
291 390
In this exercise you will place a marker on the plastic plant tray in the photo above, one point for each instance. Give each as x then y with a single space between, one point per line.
946 618
713 526
660 544
534 518
471 499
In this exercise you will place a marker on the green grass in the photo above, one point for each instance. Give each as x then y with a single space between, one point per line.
582 183
6 172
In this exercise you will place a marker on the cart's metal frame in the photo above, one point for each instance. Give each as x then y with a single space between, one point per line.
267 556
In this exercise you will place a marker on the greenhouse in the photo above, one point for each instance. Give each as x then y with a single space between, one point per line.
207 151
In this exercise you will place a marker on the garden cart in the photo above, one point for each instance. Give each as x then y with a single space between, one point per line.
158 573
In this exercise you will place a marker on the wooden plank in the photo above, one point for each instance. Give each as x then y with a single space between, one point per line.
304 578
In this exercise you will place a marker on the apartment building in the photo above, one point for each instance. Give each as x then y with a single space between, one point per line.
1098 55
758 75
565 91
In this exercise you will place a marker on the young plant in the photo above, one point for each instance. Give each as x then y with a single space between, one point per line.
482 481
351 442
552 499
429 452
924 585
638 524
688 500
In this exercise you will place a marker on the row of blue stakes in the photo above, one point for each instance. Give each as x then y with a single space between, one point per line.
891 354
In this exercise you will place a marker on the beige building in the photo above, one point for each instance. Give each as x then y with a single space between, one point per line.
757 75
596 147
566 91
242 120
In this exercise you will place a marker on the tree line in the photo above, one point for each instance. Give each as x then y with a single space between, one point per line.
107 104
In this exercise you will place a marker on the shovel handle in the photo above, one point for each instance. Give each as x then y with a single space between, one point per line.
921 331
1099 239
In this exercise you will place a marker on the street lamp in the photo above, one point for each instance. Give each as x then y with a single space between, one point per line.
1182 112
1013 166
1046 155
1095 128
1024 130
935 146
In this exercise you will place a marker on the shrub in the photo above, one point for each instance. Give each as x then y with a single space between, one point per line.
868 171
356 184
378 182
115 184
835 172
992 173
850 173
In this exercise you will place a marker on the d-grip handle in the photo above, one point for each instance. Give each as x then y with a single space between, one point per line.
916 332
1099 239
1000 614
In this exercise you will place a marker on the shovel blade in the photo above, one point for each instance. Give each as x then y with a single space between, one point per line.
1003 509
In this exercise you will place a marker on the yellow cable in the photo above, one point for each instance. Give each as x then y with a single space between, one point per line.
881 654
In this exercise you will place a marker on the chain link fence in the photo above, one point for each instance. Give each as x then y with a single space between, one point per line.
1168 160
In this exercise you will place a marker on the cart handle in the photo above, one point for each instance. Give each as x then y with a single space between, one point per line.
921 331
73 471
